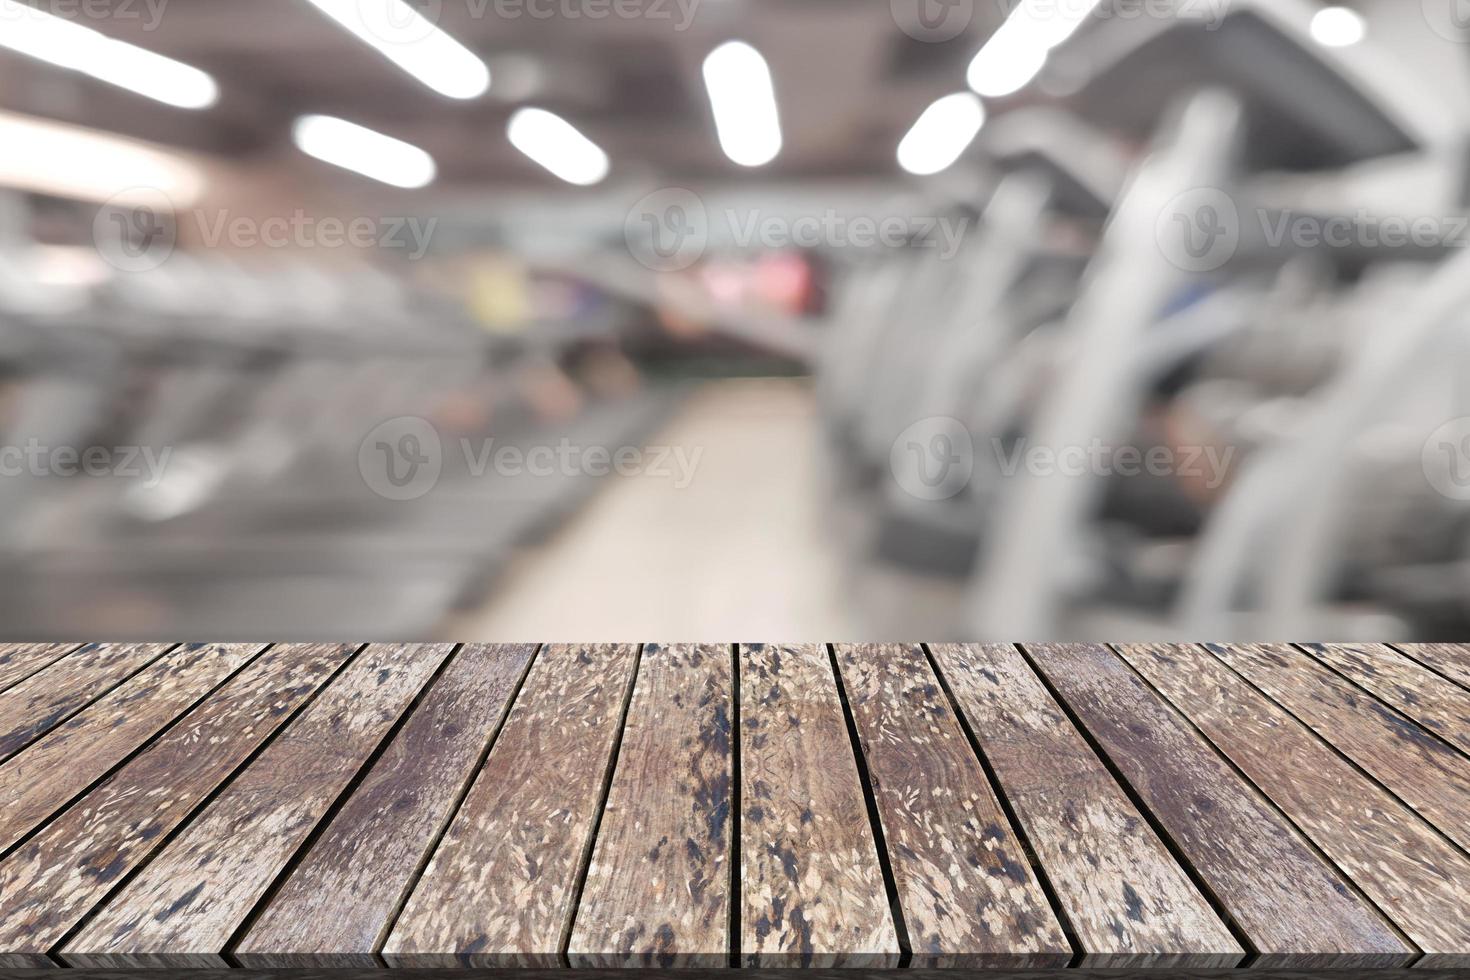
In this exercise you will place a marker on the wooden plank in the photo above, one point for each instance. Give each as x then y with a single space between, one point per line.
812 891
44 777
184 906
1126 898
1420 880
1295 909
44 700
335 908
1424 772
501 887
1439 705
1450 659
20 660
969 896
54 879
658 889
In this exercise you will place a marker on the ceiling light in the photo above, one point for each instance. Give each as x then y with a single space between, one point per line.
364 151
1338 27
1016 52
412 42
998 71
45 157
557 145
941 134
61 42
744 101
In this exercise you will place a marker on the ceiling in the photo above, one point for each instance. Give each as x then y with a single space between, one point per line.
849 81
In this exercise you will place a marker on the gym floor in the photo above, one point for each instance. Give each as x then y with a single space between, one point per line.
742 550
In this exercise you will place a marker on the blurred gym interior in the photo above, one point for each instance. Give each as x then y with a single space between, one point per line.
716 319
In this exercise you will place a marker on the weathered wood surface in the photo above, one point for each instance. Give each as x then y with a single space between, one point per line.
1421 770
49 773
49 697
54 879
1125 897
190 899
501 887
349 807
1300 913
1419 879
658 889
970 898
1450 659
812 889
20 660
335 908
1439 705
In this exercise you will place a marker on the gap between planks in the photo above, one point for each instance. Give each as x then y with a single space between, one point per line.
875 816
206 800
585 861
1416 954
329 816
1023 837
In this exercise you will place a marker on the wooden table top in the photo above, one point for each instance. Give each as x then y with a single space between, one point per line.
683 806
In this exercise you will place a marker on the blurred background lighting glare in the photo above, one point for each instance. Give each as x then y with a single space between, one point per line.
1338 27
412 42
743 98
352 147
941 134
556 145
66 44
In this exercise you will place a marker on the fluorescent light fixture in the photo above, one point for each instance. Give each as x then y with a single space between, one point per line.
557 145
412 42
999 70
1015 53
61 42
364 151
52 158
941 134
744 101
1338 27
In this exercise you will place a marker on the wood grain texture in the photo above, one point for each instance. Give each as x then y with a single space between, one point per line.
969 896
49 697
62 873
20 660
501 887
1439 705
1300 914
1424 772
184 906
335 908
658 889
812 890
41 779
1127 900
1420 880
1450 659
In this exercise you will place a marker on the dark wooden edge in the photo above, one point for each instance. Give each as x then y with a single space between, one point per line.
757 974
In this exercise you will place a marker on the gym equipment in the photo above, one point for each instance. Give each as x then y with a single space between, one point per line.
1264 354
259 385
